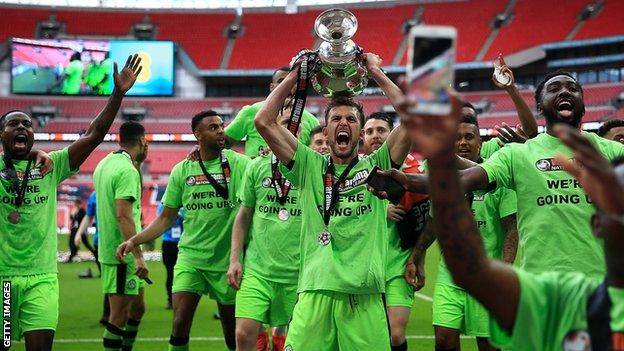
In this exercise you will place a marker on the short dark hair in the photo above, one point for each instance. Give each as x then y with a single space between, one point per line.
130 133
470 120
383 117
342 100
469 105
200 116
315 131
76 56
549 76
3 117
281 69
608 125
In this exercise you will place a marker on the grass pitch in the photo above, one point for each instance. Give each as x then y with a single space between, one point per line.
81 308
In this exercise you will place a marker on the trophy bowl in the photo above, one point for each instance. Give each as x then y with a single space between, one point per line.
339 68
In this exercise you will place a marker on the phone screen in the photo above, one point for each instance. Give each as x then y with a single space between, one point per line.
431 71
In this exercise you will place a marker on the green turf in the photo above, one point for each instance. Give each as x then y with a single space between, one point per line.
81 307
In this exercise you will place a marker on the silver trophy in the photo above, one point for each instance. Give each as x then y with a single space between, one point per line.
339 68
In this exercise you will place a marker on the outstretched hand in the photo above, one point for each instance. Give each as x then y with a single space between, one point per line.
504 69
431 135
594 172
507 135
128 75
391 173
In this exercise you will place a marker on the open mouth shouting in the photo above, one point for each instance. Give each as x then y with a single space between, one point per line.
20 141
343 138
565 108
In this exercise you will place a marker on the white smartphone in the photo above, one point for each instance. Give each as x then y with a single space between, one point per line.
431 60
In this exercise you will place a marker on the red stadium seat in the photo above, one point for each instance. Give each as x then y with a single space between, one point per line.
270 40
607 22
471 18
534 23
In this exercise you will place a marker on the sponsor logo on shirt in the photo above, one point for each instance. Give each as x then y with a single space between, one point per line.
547 165
35 174
267 182
357 179
577 340
202 180
288 348
478 197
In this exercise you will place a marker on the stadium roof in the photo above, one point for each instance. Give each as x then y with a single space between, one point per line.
190 4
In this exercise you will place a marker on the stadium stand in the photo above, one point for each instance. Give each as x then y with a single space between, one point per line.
607 22
270 40
379 31
471 20
548 20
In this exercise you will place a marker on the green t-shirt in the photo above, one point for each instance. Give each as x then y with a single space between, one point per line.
208 218
489 147
552 312
354 260
90 75
243 126
115 178
273 251
73 77
553 209
488 209
29 247
104 68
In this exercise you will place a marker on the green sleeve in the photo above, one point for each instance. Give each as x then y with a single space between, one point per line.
106 66
309 122
304 160
127 183
546 310
240 167
381 157
616 150
499 168
173 193
62 169
70 70
246 191
490 147
508 204
239 127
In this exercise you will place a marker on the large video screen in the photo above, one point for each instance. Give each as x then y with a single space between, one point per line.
85 67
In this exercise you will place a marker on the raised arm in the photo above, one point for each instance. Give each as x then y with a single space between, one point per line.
527 120
80 149
239 233
280 140
398 140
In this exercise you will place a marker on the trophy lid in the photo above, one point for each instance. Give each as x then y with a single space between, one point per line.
335 25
